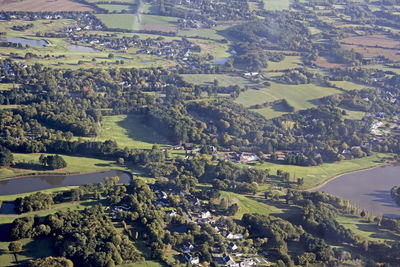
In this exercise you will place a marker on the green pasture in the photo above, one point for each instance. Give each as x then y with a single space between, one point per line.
248 204
367 230
114 8
130 131
347 85
223 80
289 62
300 96
276 5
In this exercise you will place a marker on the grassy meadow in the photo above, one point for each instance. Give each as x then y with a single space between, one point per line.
129 131
300 96
223 80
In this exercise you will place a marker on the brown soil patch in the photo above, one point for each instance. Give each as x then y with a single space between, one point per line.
325 63
159 28
42 5
371 46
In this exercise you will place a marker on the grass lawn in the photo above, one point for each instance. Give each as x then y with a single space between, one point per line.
316 175
129 131
300 96
289 62
74 165
223 80
248 205
147 263
367 230
32 249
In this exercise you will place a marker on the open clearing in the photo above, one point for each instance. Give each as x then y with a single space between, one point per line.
223 80
347 85
316 175
300 96
129 131
43 5
326 62
367 230
289 62
247 205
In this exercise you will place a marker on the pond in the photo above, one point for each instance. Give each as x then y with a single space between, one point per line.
123 58
221 61
369 189
81 48
26 41
42 182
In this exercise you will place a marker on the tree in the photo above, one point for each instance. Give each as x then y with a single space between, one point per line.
6 157
15 247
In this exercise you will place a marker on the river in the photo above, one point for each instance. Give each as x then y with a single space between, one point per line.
42 182
368 189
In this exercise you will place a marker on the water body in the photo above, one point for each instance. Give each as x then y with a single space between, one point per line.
221 61
124 58
369 189
81 48
39 182
26 41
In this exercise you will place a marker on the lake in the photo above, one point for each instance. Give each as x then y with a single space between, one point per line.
369 189
26 41
42 182
81 48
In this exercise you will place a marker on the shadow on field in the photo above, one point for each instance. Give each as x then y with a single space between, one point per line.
383 196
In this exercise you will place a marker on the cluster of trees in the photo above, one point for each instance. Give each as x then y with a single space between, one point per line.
6 157
92 241
395 194
53 162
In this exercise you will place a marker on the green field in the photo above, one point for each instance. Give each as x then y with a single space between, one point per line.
74 165
289 62
116 8
271 5
136 22
32 249
223 80
347 85
300 96
248 205
316 175
120 21
367 230
129 131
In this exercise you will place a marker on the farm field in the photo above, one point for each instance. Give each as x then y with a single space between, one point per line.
116 8
271 5
326 62
272 112
373 46
301 96
223 80
289 62
43 5
136 22
347 85
120 21
316 175
129 131
74 165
